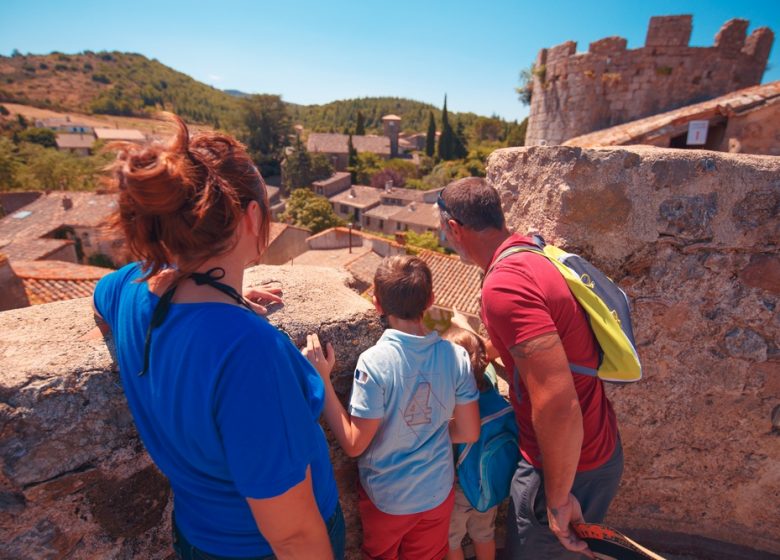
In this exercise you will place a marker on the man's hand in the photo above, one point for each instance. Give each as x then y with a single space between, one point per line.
561 520
322 361
260 298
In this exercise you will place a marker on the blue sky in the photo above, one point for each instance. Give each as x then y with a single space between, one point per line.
319 51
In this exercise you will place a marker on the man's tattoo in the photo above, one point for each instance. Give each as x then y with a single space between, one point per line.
530 347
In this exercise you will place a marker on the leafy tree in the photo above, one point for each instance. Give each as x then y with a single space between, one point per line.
366 166
9 165
488 129
379 180
42 136
447 137
3 111
427 240
311 211
268 128
430 137
516 133
360 128
526 88
301 168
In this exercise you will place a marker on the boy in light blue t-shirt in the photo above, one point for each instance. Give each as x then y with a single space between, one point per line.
413 395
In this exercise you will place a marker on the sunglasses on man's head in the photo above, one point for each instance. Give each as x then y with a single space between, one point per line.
443 207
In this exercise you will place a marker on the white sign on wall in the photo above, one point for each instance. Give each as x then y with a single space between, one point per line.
697 133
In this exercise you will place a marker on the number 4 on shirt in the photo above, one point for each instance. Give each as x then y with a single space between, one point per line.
417 411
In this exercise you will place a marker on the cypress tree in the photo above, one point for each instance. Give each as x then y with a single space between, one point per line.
430 138
446 139
360 128
459 142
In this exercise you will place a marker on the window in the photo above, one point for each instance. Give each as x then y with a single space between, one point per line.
368 221
344 209
381 225
398 226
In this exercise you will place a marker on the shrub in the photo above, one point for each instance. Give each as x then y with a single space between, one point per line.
43 66
101 78
60 67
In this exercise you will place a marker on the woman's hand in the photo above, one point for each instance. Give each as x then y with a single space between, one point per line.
260 298
322 360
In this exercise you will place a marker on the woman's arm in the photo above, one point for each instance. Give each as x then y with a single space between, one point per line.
353 434
292 524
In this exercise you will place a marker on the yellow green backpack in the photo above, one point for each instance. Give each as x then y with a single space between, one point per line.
606 306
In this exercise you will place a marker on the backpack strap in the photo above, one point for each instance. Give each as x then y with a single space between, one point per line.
538 248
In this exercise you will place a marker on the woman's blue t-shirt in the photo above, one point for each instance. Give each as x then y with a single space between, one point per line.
228 410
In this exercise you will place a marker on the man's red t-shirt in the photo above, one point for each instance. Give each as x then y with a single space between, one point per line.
525 296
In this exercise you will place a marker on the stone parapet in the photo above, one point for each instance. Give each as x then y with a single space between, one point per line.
693 237
75 481
576 93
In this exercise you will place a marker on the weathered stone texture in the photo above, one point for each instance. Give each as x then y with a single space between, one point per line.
75 481
576 93
693 238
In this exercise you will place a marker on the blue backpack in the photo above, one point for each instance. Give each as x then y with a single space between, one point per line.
485 467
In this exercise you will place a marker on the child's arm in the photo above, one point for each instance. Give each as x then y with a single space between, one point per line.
465 423
353 434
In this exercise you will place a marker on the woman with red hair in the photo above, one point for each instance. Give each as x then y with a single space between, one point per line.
225 404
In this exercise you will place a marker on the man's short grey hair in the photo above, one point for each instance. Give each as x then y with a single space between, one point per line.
473 203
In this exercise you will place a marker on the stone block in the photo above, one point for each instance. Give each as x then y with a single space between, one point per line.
608 45
731 37
669 31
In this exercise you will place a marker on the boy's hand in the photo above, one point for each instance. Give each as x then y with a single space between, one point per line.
323 361
259 298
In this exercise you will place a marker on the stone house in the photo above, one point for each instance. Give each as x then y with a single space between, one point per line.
336 146
59 219
120 134
419 217
352 203
339 181
79 144
64 125
745 121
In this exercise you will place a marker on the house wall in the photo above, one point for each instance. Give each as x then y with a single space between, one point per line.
290 244
576 93
12 294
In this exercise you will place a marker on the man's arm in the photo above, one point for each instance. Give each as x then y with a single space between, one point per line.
557 419
292 524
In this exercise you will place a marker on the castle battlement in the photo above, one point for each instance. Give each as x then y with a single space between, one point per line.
576 93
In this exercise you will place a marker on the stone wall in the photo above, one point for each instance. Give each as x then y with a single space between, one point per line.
576 93
75 481
692 237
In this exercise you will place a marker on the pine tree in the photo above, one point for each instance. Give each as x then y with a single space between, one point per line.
360 128
446 139
430 138
352 161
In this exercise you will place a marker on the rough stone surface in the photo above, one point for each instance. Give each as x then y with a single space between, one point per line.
576 93
75 481
693 238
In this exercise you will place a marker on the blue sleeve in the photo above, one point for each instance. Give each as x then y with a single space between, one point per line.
368 395
465 385
108 290
266 407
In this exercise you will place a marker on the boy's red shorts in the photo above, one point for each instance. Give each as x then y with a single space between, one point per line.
416 536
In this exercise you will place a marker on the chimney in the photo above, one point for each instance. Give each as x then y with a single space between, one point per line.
352 193
67 202
389 185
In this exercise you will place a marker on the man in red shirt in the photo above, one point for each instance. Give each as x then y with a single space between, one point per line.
572 459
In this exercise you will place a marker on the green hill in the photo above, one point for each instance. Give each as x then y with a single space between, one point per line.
111 83
130 84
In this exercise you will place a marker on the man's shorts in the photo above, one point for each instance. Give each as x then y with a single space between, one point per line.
480 526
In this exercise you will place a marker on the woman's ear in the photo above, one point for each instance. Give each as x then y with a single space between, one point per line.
253 216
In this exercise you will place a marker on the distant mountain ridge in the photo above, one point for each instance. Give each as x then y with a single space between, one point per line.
120 83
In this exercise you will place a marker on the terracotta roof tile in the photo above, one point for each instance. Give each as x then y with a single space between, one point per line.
358 196
32 249
332 143
75 140
455 284
48 281
418 213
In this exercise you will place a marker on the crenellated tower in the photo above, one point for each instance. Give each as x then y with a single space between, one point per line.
576 93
